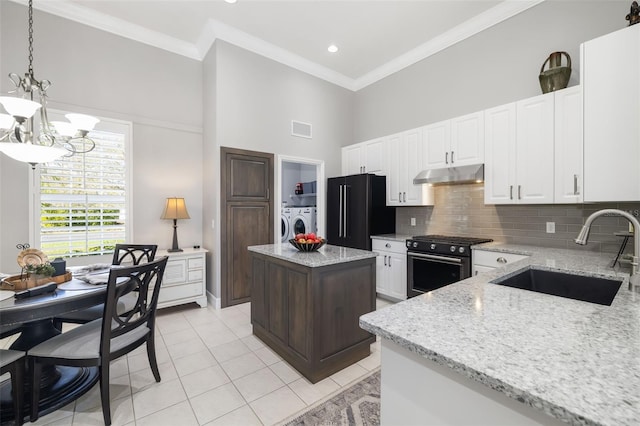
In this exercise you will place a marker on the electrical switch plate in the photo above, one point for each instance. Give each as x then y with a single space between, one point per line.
213 223
413 221
551 227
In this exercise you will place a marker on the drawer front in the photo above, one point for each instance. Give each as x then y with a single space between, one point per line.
178 292
388 245
196 263
195 275
495 259
175 272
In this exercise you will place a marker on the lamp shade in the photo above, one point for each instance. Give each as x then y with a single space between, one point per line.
82 121
64 128
30 153
19 107
175 209
6 121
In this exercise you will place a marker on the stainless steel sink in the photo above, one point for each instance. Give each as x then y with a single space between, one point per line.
572 286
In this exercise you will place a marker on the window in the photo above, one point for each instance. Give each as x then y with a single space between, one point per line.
82 201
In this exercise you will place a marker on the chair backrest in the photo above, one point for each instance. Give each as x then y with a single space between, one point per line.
134 254
139 279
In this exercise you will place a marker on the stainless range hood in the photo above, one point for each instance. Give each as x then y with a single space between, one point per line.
451 175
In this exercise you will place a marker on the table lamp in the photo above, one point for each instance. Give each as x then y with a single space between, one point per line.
175 209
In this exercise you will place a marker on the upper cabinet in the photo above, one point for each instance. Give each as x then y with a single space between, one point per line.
364 157
405 152
455 142
568 146
611 89
519 140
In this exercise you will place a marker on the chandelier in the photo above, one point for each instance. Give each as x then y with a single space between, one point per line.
55 139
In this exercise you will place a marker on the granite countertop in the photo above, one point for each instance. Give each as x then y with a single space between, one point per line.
326 255
576 361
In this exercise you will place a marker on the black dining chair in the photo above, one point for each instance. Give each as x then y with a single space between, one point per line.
124 254
97 343
12 362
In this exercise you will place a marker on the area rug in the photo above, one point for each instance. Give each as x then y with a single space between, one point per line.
357 405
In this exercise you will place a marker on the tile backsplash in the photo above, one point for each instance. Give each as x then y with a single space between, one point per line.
460 210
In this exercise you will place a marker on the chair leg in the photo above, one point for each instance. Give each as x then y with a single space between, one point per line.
151 354
17 391
104 392
36 369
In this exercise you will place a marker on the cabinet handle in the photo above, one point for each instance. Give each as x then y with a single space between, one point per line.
475 273
364 169
446 158
404 197
511 192
451 157
575 185
385 261
501 260
399 197
519 192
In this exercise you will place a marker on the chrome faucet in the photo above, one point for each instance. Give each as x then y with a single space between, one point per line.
583 237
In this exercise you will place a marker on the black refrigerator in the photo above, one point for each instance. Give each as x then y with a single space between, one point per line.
356 209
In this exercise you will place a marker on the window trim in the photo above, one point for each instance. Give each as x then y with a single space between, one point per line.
106 124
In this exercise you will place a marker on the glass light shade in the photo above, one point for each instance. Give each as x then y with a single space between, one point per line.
19 107
6 121
30 153
64 128
175 209
82 122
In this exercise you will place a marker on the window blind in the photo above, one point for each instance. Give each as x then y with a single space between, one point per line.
83 199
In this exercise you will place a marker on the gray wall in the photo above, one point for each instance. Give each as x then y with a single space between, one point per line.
494 67
99 73
249 104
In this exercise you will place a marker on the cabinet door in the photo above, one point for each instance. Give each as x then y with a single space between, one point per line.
568 145
611 66
500 154
374 157
467 140
352 159
534 150
412 194
437 141
382 285
397 276
396 147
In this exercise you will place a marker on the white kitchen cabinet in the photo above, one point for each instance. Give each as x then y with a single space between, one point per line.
485 260
364 157
455 142
184 278
611 90
391 267
404 156
568 146
519 143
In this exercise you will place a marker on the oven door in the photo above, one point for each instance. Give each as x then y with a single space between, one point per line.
427 272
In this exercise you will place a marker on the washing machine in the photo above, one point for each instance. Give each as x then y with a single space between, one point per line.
285 224
303 220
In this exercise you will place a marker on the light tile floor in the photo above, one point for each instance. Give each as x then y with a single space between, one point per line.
214 372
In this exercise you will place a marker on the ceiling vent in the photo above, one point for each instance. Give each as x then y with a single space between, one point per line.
300 129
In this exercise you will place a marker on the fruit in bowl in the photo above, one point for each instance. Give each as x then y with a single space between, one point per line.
307 242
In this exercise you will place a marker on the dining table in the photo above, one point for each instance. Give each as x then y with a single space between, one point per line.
59 385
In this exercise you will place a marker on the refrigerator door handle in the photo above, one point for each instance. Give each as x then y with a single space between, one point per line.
340 213
346 210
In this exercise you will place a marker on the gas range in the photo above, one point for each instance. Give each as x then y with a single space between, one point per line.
444 244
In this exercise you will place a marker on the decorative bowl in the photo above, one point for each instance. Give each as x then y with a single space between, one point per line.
307 247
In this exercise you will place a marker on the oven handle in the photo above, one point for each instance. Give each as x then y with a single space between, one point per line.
433 257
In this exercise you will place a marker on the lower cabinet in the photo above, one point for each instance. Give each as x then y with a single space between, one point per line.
310 316
391 268
484 260
184 278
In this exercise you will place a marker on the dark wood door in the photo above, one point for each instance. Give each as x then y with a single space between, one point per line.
357 211
246 179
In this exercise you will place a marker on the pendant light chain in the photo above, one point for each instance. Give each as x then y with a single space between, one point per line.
31 38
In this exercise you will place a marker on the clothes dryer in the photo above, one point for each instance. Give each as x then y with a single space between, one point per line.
285 224
303 220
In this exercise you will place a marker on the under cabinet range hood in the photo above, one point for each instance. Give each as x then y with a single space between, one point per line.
451 175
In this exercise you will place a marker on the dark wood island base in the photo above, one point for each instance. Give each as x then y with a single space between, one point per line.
309 314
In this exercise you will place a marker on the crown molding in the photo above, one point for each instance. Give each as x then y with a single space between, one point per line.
214 30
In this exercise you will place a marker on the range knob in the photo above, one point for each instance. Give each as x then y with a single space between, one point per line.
433 246
453 249
415 244
461 250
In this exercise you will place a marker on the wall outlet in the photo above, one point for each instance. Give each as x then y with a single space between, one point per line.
551 227
413 221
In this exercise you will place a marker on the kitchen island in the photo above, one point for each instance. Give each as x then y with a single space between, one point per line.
306 306
480 353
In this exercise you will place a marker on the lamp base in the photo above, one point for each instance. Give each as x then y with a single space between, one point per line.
174 250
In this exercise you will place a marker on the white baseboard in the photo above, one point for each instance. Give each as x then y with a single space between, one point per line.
213 300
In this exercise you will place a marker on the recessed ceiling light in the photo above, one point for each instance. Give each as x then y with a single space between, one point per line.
231 1
332 48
